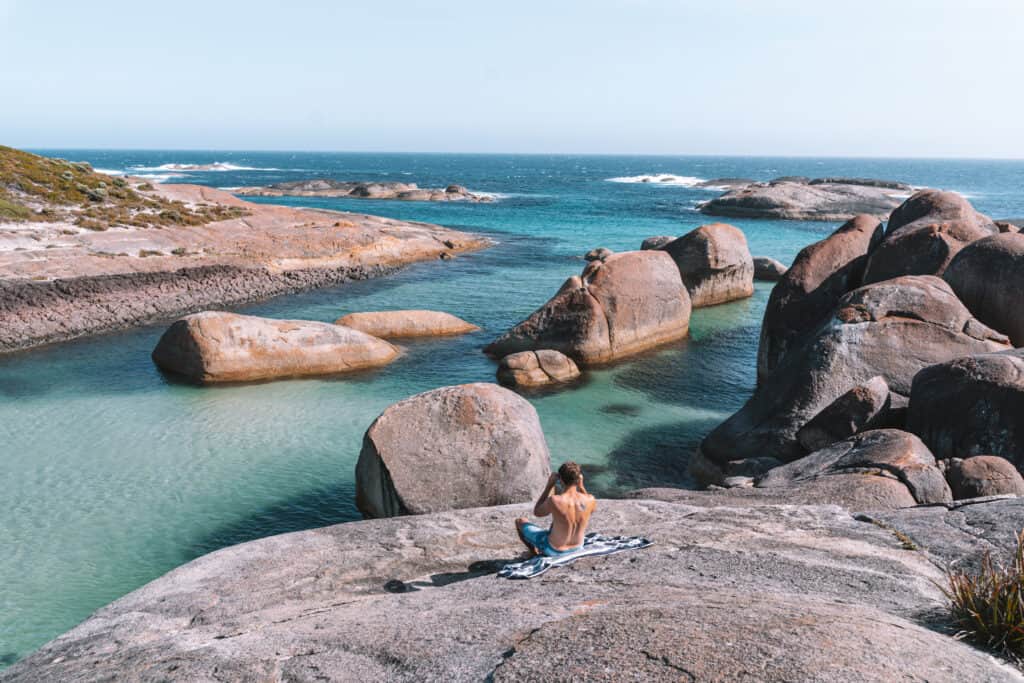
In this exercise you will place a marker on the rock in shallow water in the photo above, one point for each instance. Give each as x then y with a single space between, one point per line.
715 264
414 323
450 448
767 269
214 346
631 302
808 200
536 368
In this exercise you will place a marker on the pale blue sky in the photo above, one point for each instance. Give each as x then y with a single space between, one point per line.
795 77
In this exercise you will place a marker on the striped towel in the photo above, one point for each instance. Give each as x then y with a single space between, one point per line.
593 545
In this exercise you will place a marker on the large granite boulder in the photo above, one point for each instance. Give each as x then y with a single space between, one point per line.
536 368
715 264
767 269
861 408
656 242
800 199
628 303
983 475
214 346
890 329
875 457
988 276
809 291
758 594
971 406
454 447
415 323
924 234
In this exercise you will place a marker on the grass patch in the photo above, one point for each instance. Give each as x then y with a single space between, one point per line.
143 253
988 605
13 212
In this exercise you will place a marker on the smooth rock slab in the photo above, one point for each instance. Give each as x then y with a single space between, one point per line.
412 323
536 368
768 594
455 447
214 346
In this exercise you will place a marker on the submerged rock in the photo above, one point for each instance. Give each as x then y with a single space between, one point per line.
536 368
413 323
715 264
870 460
924 234
822 596
988 276
972 405
631 302
214 346
455 447
818 200
809 291
890 329
768 269
983 475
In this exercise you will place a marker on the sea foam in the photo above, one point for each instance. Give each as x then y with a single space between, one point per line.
215 166
660 179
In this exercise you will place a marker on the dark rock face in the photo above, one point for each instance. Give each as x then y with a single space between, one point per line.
536 368
818 200
450 448
824 597
924 234
988 276
862 407
809 291
973 405
884 453
631 302
768 269
983 475
715 264
655 242
891 329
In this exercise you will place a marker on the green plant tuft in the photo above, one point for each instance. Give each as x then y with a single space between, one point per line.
988 605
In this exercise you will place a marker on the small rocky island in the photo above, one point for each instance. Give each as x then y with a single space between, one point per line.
325 187
807 199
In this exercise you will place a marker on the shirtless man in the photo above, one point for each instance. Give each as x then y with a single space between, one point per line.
570 511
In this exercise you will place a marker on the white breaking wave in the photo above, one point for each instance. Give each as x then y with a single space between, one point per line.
108 171
660 179
160 177
215 166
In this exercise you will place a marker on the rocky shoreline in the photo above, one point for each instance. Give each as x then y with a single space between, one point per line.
807 199
326 187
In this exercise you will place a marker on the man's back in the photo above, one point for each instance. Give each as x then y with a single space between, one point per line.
570 516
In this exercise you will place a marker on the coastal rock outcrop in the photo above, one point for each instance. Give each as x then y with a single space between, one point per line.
973 405
715 264
890 329
326 187
861 408
215 346
599 254
809 291
822 199
455 447
656 242
988 276
628 303
983 475
767 269
824 597
536 368
869 460
924 234
412 323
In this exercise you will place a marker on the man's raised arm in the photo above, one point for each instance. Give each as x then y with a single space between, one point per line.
543 506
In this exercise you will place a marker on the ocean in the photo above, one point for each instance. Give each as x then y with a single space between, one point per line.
112 474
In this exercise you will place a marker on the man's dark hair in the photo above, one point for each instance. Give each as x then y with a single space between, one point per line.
569 473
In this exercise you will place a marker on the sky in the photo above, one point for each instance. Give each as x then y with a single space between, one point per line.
922 78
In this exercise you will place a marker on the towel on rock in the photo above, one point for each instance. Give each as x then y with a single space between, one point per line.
594 544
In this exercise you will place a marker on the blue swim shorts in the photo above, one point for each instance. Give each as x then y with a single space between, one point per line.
538 538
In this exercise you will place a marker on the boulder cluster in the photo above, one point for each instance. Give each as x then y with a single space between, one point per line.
887 369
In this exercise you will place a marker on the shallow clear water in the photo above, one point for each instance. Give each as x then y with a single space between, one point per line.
112 474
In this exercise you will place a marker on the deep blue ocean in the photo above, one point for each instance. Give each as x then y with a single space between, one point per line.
112 476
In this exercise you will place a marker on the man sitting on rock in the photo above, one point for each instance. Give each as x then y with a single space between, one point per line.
570 512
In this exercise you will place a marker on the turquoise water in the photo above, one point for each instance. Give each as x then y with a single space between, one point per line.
112 474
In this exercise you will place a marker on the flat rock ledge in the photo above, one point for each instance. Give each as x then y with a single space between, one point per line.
768 593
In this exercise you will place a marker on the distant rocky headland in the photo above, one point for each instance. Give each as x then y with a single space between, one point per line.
323 187
799 198
82 252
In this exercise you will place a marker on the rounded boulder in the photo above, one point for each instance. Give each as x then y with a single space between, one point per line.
983 475
714 263
988 276
412 323
536 368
